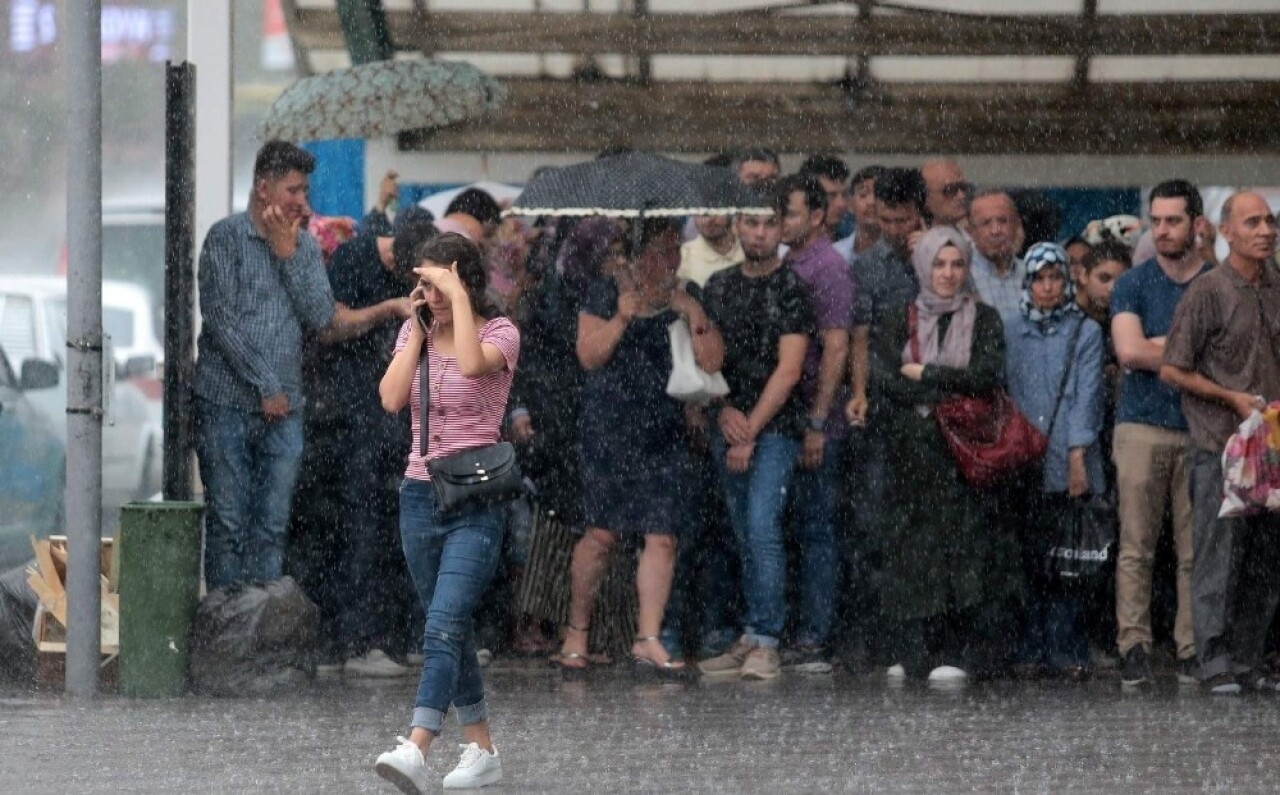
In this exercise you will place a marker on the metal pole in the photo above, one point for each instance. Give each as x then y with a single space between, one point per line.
84 345
179 277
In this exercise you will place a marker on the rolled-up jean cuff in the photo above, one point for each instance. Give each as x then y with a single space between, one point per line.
472 713
427 718
762 640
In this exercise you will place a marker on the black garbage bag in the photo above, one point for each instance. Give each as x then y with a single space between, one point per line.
253 640
17 611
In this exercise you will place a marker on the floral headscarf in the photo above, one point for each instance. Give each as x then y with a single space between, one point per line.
1039 257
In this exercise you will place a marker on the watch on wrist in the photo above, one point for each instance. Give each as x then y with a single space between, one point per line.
817 424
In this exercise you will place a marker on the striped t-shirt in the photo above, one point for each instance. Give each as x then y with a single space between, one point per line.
465 412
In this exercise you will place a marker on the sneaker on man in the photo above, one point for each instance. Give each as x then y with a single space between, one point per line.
1187 671
329 666
1223 684
762 664
807 660
375 665
404 767
896 673
484 657
948 676
728 664
1262 680
476 768
1136 669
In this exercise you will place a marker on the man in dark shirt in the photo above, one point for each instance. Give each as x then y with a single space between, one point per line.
765 316
345 529
1223 353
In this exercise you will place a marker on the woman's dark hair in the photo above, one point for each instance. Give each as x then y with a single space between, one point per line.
651 229
450 247
585 249
1108 251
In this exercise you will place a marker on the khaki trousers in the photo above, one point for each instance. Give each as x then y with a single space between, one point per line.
1152 466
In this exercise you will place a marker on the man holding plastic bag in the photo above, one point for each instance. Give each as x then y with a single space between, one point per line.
1223 354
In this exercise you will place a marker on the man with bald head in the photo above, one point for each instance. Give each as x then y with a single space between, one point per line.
997 272
1223 354
948 192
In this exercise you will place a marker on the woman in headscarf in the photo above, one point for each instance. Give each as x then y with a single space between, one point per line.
1054 368
947 563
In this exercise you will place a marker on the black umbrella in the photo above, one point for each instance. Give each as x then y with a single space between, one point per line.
636 185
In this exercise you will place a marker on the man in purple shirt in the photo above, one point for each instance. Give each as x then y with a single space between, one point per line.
802 203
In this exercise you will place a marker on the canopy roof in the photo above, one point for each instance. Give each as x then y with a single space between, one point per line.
917 76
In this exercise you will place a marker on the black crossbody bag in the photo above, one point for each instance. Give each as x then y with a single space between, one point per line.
469 479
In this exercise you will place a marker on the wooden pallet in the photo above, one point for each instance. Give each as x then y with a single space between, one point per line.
47 579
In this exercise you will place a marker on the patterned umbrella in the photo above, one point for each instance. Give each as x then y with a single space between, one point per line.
636 184
382 98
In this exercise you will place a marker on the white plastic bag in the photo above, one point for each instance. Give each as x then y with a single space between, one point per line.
688 382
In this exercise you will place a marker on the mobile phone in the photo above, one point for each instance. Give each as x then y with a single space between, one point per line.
424 317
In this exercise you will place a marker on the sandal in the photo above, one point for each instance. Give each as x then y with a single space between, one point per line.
571 662
649 668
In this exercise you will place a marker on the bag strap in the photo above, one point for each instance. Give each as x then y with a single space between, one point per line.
913 325
1066 373
424 395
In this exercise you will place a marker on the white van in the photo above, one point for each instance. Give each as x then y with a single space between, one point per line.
33 325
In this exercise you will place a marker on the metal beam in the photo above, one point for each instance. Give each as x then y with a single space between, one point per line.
1089 31
364 27
1111 118
816 34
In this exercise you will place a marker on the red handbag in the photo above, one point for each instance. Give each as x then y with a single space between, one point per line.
987 435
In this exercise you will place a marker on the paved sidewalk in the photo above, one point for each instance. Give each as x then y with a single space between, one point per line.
608 734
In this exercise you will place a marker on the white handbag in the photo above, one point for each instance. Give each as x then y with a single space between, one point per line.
688 382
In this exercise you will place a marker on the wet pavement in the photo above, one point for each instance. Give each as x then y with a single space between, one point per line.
816 733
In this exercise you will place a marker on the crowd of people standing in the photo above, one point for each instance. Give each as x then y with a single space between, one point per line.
813 516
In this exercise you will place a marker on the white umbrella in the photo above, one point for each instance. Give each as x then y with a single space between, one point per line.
437 203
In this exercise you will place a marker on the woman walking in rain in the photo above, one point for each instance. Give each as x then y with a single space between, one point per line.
949 567
472 353
635 466
1054 372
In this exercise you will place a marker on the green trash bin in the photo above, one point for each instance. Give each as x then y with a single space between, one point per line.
159 580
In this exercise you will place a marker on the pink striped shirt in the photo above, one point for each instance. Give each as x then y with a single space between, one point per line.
465 412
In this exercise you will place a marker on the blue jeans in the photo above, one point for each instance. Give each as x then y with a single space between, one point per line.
452 561
756 499
817 506
248 465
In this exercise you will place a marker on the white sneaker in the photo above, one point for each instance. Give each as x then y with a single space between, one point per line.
484 657
896 672
375 665
476 768
404 767
329 670
947 676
